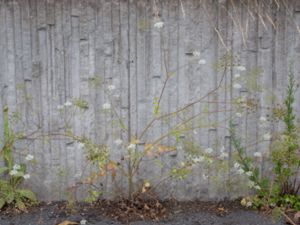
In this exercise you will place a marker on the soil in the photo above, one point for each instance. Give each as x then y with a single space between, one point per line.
138 212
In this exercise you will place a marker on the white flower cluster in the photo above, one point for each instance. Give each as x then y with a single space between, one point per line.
208 150
80 145
29 157
106 106
238 168
238 75
111 88
238 114
131 147
223 154
16 169
267 136
249 174
263 124
66 104
196 53
159 24
198 159
257 154
118 142
83 222
202 62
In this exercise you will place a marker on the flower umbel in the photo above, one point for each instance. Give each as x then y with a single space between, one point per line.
118 142
68 103
241 68
29 157
16 167
13 172
111 87
106 106
26 176
159 24
202 62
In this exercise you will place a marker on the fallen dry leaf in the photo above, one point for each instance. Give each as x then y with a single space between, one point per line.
297 217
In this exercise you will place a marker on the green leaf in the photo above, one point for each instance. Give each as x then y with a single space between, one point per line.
2 203
10 197
27 194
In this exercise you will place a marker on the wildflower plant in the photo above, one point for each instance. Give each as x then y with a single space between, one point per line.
280 189
138 150
12 174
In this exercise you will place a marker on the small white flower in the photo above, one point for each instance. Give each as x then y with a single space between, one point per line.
224 155
248 204
267 136
13 172
205 177
208 150
263 119
26 176
106 106
240 171
198 159
60 107
251 184
241 68
237 75
159 24
118 142
202 62
236 165
182 164
111 87
196 53
237 86
179 148
249 173
257 187
257 154
16 167
239 115
131 147
195 132
29 157
83 222
80 145
78 175
67 103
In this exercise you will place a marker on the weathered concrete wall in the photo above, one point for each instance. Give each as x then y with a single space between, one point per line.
57 50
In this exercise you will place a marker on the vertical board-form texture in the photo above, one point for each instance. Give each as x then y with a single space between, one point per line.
166 76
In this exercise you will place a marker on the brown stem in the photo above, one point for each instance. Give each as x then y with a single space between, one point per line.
183 108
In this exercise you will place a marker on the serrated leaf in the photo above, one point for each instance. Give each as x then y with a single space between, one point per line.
27 194
10 197
2 203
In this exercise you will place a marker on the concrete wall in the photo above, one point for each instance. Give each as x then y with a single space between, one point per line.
58 50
